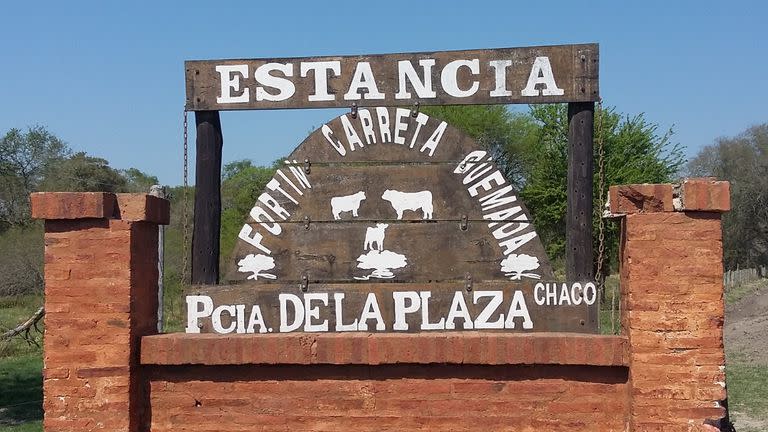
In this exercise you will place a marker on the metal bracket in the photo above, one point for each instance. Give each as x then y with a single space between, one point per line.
468 281
304 285
307 165
306 222
464 224
415 109
354 110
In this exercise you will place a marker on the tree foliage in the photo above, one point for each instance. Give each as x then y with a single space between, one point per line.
634 152
743 161
532 149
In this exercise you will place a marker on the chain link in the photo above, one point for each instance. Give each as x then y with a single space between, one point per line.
601 206
184 210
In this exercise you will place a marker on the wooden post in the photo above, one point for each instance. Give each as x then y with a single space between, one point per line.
578 222
207 218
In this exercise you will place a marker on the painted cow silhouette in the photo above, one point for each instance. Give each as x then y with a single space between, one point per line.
402 201
375 236
346 203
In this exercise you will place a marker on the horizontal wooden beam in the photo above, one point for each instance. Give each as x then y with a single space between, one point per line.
545 74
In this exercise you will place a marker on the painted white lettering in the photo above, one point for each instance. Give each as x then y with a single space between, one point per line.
481 322
285 87
363 79
320 70
253 240
425 324
336 144
272 204
541 73
564 297
383 116
400 125
229 75
300 175
240 315
256 319
423 88
313 312
449 77
275 185
590 293
349 130
497 198
287 180
500 73
258 214
458 310
434 140
421 120
216 319
338 301
194 313
298 312
401 309
469 161
518 309
366 121
485 183
576 293
551 294
538 294
514 243
371 311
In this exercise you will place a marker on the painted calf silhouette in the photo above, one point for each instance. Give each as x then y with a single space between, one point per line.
375 235
402 201
346 203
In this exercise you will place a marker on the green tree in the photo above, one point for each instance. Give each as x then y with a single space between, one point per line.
25 158
743 161
507 134
634 152
83 173
241 184
137 181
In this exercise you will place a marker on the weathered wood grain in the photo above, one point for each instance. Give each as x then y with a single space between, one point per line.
544 318
450 199
207 217
575 69
437 250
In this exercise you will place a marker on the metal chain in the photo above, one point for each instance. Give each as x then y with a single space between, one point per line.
184 211
601 206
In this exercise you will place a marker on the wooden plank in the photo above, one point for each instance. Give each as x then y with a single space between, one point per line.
548 308
457 77
384 134
579 260
207 218
409 252
349 192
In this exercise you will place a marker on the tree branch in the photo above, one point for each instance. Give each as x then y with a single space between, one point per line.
25 327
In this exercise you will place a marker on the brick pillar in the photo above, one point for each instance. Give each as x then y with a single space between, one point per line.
672 299
100 299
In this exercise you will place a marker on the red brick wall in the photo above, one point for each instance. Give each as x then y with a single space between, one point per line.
104 370
389 397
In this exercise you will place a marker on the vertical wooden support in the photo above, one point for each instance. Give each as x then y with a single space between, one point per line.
207 219
578 222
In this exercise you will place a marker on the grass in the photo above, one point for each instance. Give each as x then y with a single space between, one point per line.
21 382
748 388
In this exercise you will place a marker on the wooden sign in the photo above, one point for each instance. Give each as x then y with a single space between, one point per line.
388 307
547 74
393 202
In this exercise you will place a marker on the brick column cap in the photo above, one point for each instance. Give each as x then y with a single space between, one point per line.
691 194
100 205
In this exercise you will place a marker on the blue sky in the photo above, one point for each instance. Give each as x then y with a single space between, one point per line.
108 77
